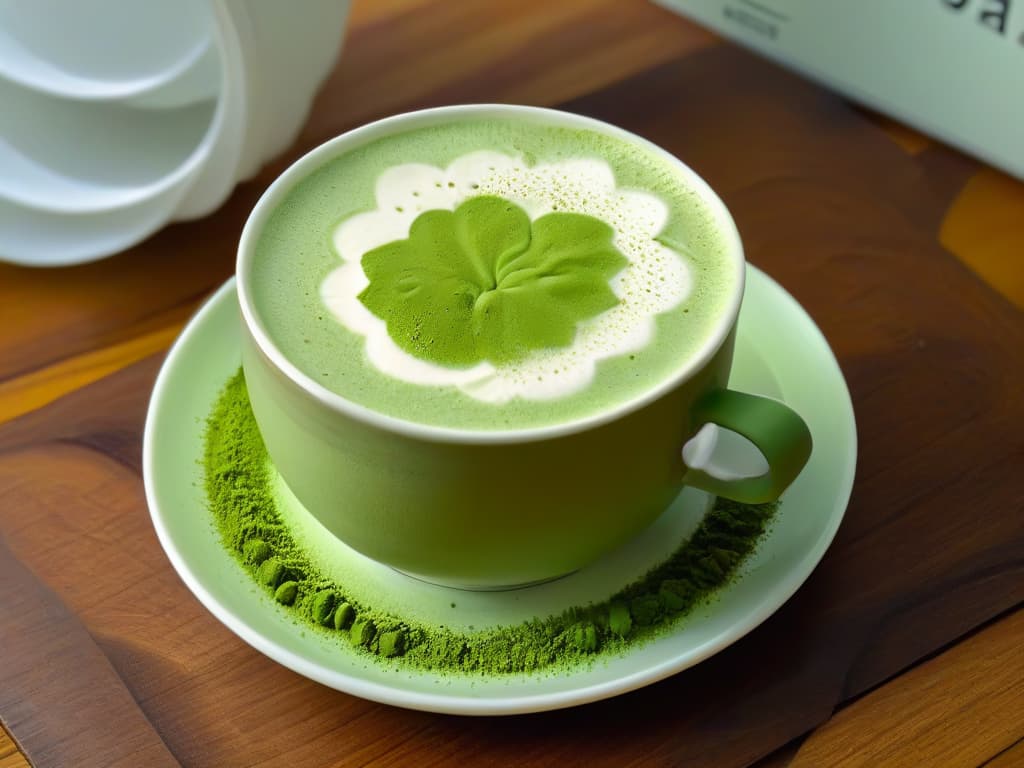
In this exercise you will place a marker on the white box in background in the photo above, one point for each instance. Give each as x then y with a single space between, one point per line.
952 68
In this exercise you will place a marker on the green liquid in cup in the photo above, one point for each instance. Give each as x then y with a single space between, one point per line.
510 290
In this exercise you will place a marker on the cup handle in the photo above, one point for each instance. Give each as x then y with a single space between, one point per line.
777 431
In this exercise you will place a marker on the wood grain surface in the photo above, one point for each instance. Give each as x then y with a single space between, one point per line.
53 676
10 755
1012 757
873 229
907 721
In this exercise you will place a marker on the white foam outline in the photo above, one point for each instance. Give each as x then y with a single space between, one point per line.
656 273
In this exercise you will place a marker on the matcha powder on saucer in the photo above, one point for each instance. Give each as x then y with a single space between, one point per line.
239 490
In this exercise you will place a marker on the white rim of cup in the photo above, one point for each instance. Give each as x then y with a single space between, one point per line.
357 137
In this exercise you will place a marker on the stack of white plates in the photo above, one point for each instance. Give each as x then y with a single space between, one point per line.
119 116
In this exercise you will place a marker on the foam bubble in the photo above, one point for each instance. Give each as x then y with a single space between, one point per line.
655 280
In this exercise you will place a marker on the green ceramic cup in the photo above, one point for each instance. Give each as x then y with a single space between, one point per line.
505 508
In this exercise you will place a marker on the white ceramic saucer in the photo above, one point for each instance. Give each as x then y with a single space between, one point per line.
779 352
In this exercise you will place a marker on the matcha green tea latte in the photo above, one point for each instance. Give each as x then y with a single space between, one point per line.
490 274
242 492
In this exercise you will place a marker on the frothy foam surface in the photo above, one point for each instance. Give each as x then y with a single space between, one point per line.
655 279
307 276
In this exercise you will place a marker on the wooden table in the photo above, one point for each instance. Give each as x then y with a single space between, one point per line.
903 648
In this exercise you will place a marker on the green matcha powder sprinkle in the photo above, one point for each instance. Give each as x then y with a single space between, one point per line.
239 490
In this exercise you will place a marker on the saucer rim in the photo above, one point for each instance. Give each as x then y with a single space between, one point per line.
449 703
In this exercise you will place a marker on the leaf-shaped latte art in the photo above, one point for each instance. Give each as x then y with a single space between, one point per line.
484 283
442 320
